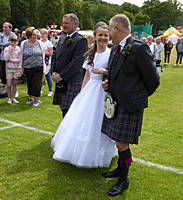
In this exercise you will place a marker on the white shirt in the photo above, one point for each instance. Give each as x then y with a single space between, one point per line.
123 41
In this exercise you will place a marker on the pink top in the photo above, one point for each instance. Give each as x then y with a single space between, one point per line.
12 58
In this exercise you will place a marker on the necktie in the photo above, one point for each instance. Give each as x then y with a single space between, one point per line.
67 37
118 48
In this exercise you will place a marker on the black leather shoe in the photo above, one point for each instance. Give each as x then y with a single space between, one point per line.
120 186
112 174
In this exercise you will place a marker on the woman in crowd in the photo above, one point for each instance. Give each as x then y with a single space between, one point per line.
167 51
179 50
79 139
13 68
48 51
32 59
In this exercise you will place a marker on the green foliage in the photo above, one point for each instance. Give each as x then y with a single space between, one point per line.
141 19
51 12
5 11
18 10
41 13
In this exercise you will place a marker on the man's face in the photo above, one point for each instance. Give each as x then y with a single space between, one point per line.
6 28
113 32
68 25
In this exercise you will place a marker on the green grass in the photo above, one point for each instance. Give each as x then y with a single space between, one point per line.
29 173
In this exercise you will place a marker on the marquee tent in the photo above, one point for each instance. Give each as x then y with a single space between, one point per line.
171 30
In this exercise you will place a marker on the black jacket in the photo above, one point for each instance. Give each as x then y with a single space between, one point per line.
68 58
134 77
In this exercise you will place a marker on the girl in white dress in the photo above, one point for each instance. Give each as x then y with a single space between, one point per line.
79 139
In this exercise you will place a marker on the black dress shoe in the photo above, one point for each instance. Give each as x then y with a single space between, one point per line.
112 174
120 186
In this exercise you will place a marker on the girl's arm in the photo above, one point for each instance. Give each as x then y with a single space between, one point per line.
49 52
86 79
6 54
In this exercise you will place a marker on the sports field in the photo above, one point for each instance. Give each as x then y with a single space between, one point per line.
27 171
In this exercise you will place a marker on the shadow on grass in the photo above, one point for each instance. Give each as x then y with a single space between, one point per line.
61 181
9 108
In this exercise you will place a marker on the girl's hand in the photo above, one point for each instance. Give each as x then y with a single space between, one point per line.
105 84
97 70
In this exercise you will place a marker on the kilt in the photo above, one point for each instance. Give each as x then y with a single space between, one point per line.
124 126
65 99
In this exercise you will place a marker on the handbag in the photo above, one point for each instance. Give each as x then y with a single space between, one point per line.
109 106
61 86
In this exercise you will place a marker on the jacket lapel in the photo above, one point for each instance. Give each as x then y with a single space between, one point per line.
122 58
60 46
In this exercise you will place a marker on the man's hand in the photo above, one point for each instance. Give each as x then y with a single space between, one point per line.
56 77
105 84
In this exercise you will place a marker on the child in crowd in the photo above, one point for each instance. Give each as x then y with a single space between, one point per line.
13 68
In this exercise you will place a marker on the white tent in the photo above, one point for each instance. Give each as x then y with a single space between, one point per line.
173 38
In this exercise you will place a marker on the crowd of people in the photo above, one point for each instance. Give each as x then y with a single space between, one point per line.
102 92
158 45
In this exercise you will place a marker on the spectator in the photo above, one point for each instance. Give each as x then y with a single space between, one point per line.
22 37
158 54
179 49
48 51
167 51
32 59
151 45
90 40
13 68
4 42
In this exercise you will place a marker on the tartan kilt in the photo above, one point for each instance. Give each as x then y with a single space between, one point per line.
65 99
124 126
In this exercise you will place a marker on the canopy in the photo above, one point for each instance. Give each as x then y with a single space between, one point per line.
173 38
171 30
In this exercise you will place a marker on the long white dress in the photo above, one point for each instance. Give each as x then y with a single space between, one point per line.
79 139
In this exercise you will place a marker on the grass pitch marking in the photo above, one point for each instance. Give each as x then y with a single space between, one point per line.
138 160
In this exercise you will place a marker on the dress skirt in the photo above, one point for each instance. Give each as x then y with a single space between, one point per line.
79 139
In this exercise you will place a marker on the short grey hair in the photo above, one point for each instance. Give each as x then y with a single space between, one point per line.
123 21
73 17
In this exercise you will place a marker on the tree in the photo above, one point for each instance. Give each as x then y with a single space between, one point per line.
85 15
5 11
131 8
141 19
51 12
18 10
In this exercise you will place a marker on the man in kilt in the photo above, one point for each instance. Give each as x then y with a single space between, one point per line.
67 61
131 79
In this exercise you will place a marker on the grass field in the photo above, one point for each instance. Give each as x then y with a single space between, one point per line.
29 173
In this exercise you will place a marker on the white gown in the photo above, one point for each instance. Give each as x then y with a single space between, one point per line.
79 139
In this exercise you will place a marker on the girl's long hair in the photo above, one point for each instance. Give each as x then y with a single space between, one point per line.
91 52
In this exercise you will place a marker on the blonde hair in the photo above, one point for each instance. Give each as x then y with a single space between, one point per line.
123 21
29 31
44 30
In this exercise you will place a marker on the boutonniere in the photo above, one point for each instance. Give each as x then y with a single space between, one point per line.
127 49
69 40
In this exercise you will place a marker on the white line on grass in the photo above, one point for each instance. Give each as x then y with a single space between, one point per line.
147 163
151 164
12 126
26 127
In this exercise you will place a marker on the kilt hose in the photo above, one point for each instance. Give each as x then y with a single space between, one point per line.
124 126
65 99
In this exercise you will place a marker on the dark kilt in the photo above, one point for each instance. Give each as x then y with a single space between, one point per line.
124 126
65 99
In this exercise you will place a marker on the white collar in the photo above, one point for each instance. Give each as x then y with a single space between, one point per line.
70 35
123 41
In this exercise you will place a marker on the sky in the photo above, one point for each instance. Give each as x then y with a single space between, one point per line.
136 2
